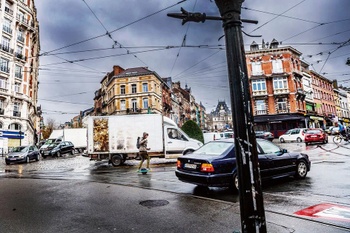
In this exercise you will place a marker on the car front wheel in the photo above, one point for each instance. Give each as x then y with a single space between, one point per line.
299 140
37 157
27 159
301 170
282 140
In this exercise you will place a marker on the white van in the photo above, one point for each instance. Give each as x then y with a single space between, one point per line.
212 136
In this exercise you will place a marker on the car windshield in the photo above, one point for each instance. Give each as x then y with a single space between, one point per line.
213 148
20 149
268 147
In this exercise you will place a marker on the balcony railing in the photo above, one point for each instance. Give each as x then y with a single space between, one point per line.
22 19
20 56
6 48
260 112
258 73
281 91
5 69
259 93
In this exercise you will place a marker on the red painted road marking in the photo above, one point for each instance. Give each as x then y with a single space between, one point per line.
327 211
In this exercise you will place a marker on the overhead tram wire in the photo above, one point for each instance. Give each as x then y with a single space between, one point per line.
106 56
109 34
329 54
183 41
283 16
298 34
197 63
277 16
102 35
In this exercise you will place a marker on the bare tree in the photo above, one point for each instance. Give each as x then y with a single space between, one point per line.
48 128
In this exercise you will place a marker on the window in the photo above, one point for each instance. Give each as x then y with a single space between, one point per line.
260 107
3 84
20 35
145 103
280 83
145 87
122 105
134 105
17 87
4 65
133 88
5 44
281 104
15 126
277 66
7 26
18 72
256 68
122 89
19 52
259 85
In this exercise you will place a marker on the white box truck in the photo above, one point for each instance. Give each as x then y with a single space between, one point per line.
78 136
114 137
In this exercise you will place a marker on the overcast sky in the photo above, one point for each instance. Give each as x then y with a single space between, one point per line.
81 40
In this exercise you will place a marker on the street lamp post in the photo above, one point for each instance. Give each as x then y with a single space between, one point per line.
250 193
251 199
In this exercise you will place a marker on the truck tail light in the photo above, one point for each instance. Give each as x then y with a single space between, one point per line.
207 167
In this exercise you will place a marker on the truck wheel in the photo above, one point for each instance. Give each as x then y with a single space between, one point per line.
117 160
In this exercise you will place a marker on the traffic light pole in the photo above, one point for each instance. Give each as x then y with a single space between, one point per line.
250 193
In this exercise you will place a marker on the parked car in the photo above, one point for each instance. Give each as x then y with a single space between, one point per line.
297 134
264 135
214 164
22 154
315 136
58 149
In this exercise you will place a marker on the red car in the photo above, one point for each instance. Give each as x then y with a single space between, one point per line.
315 136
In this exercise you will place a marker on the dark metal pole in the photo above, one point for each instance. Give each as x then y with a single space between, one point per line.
250 193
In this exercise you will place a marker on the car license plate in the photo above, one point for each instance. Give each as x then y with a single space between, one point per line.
190 166
314 136
46 153
12 158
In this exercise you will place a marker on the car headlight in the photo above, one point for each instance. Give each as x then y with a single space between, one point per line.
7 156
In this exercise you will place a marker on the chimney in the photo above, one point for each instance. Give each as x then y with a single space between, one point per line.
254 46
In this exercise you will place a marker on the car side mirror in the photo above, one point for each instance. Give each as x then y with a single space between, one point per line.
284 151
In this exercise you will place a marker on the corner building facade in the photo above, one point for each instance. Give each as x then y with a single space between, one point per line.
19 49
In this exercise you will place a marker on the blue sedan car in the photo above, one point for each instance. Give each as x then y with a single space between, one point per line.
214 164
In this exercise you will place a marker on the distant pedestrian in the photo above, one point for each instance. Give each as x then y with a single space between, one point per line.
143 151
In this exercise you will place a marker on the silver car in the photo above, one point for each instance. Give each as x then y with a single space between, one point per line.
22 154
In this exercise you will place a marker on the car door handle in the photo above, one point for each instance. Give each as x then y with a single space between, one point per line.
170 142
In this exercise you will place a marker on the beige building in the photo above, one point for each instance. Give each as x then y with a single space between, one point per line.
129 91
19 50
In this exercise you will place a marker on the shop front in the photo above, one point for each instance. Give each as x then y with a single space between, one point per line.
279 123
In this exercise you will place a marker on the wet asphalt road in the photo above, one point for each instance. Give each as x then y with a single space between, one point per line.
328 181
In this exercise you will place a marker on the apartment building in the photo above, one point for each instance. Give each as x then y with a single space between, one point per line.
19 49
129 91
278 96
324 100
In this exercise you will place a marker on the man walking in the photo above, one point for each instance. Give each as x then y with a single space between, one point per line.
143 152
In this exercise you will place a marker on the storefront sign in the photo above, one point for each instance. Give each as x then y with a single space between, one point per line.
316 118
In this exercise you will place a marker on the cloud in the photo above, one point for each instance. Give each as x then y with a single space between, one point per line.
143 35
